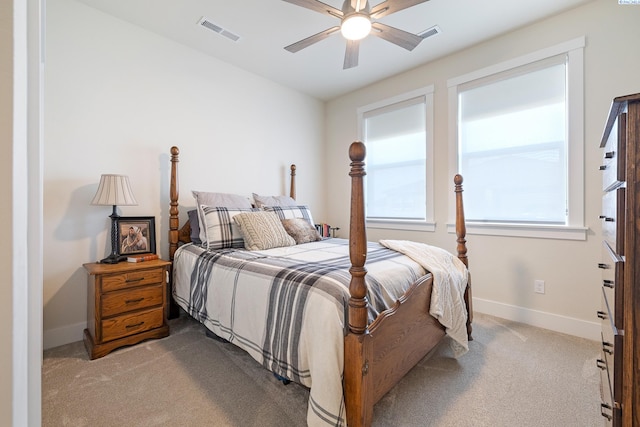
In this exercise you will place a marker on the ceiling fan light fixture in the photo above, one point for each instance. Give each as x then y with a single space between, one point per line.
356 26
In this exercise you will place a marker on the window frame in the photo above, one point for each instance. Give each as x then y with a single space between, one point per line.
575 228
428 223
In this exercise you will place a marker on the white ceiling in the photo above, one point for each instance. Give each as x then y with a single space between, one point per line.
267 26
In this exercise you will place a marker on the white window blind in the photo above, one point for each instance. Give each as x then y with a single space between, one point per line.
396 140
513 145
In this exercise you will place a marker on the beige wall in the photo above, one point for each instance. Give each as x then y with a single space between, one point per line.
6 170
116 99
504 268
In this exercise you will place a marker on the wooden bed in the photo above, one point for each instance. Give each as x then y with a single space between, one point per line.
379 354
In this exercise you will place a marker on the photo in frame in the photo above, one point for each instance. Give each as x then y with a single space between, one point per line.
137 235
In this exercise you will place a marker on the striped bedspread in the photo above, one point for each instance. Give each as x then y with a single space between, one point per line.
287 307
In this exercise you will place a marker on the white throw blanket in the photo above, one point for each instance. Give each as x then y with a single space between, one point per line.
449 283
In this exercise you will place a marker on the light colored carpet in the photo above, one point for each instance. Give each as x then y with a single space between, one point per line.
513 375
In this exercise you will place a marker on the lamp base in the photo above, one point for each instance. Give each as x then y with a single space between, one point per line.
113 259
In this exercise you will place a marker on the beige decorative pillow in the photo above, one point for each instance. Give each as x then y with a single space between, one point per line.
262 230
301 230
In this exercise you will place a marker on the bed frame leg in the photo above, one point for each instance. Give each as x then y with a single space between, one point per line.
469 301
211 335
285 380
358 388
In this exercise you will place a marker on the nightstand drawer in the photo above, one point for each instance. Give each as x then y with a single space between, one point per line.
129 324
132 278
124 301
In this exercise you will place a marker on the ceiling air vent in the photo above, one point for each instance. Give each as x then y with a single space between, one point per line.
218 29
430 32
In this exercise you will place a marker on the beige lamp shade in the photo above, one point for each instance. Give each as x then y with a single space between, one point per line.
114 190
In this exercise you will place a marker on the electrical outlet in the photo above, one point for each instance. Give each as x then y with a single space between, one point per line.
538 286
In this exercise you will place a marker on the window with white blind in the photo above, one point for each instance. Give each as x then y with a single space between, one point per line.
519 145
397 134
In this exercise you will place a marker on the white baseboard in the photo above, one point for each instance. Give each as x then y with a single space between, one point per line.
64 335
540 319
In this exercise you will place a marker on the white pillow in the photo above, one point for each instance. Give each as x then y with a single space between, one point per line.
262 201
221 200
262 230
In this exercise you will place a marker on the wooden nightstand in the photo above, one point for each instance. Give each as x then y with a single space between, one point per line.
126 304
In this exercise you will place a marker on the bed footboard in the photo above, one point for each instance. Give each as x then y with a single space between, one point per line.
377 356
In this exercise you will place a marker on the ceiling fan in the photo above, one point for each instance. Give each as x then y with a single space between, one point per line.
358 20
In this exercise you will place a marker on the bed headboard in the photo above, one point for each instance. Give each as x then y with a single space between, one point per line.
180 235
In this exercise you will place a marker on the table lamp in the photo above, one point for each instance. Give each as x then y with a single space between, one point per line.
114 190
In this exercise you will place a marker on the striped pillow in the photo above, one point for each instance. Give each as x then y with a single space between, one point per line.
221 231
288 212
226 200
262 230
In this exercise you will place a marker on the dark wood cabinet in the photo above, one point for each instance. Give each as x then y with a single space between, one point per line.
619 361
126 304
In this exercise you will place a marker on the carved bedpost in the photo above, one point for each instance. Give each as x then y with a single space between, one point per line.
174 221
357 242
461 228
461 232
174 225
358 345
292 188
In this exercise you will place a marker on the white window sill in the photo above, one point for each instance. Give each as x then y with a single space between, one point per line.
401 225
525 230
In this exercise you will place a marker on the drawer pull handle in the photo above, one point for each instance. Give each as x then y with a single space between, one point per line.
134 325
603 266
139 279
602 315
603 407
133 301
607 283
605 347
603 167
609 154
609 219
601 364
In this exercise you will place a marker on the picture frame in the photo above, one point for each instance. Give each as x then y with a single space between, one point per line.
136 235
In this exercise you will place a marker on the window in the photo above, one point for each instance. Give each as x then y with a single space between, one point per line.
519 145
512 146
399 183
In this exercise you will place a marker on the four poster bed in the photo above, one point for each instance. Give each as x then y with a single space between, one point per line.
318 313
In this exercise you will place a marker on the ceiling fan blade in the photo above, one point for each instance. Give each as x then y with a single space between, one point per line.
297 46
396 36
318 6
388 7
351 54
